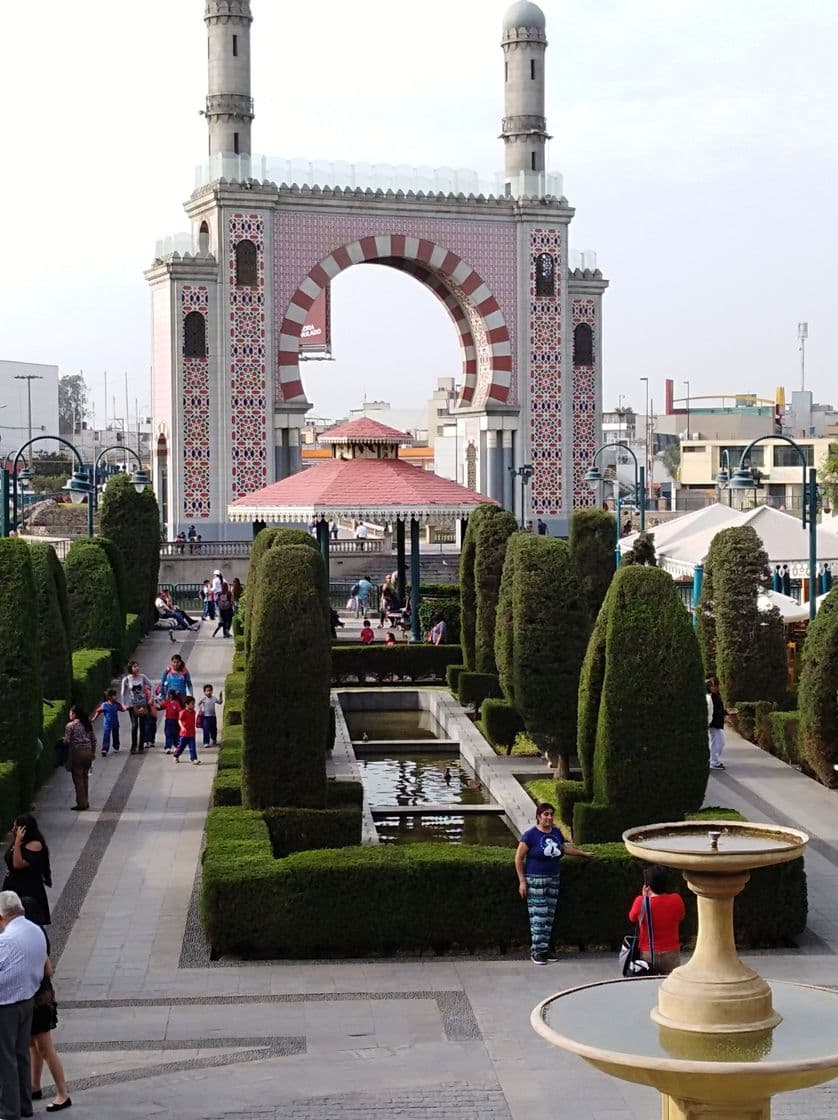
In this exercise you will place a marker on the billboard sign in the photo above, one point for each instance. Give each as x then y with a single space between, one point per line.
316 335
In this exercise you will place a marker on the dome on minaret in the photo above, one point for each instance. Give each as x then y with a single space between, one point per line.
524 14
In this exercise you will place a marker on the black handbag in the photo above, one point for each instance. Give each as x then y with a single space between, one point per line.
631 963
61 751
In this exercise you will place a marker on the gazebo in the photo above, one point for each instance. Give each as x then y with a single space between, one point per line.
366 480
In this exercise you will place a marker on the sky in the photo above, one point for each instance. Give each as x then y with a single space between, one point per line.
697 139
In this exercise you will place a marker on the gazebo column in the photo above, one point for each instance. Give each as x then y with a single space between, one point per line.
506 471
401 566
415 576
323 542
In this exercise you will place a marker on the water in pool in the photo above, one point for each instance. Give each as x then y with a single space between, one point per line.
392 725
485 829
416 779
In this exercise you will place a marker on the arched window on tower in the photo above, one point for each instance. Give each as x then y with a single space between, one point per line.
163 478
194 335
246 271
545 275
583 345
203 238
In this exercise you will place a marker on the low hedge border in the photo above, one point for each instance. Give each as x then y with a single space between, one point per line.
452 676
380 900
91 676
784 728
380 664
301 830
474 688
55 720
501 722
227 788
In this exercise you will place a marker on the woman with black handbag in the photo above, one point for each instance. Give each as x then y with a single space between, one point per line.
658 936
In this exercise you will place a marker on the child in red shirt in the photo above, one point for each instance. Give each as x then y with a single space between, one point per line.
186 726
367 633
171 712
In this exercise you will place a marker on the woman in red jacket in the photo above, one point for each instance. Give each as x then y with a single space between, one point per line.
667 915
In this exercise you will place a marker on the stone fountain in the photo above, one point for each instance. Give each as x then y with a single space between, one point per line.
719 1041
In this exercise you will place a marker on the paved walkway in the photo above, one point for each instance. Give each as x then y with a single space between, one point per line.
149 1027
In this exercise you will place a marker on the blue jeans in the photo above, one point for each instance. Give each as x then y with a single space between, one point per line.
170 729
210 729
110 734
187 741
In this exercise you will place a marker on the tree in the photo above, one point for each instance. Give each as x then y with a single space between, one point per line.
53 621
96 620
742 644
644 680
72 404
286 709
828 477
593 535
117 567
643 551
549 638
132 522
493 532
818 692
671 459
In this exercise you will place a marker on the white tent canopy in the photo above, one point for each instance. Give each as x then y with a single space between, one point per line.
683 543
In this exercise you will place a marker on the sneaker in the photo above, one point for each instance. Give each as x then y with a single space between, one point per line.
717 766
195 626
196 762
104 754
116 750
175 757
168 750
538 958
552 957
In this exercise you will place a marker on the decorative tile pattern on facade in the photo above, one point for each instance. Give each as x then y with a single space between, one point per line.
584 408
546 389
303 240
196 441
248 365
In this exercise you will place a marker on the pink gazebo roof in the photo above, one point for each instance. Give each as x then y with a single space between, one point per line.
375 489
364 430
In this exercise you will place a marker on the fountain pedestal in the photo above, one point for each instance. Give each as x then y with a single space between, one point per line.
718 1042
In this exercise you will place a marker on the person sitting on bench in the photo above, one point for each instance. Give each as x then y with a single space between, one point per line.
166 609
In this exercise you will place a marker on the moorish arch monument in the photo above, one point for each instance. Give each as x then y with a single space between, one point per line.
244 298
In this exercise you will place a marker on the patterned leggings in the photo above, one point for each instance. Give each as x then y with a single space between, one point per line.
542 897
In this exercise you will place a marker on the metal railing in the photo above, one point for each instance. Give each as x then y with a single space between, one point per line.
170 549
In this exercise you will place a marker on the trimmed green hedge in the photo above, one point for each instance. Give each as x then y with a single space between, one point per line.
817 690
91 676
492 537
227 787
233 701
785 731
412 661
752 721
593 537
95 616
383 899
300 830
55 720
133 632
132 522
344 794
53 619
10 798
474 688
452 676
288 670
117 567
21 694
501 723
239 662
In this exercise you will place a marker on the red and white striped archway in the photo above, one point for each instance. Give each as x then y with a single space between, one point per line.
484 336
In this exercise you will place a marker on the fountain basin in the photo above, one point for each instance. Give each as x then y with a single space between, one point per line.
741 845
608 1024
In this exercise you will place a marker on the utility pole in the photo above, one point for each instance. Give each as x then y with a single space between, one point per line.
802 335
29 378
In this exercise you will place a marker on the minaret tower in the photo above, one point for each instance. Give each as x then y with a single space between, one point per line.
229 110
524 124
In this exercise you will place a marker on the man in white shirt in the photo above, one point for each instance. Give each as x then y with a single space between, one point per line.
23 957
361 534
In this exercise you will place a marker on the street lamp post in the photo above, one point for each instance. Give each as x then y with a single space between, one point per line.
743 479
594 476
29 378
139 479
77 487
646 460
525 474
723 476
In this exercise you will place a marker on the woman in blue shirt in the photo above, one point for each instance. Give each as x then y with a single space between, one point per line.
176 678
537 862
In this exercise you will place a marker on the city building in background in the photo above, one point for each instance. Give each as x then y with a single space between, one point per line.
28 405
234 301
